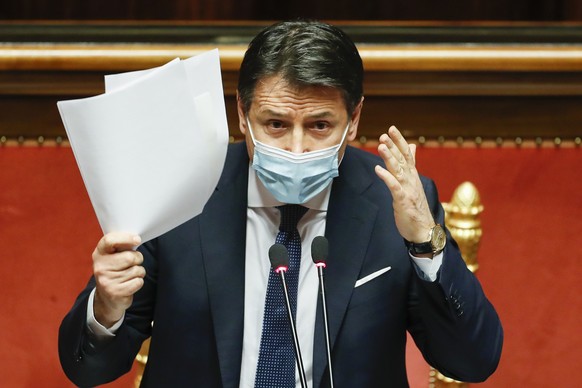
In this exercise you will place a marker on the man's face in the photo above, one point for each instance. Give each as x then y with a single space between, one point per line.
297 120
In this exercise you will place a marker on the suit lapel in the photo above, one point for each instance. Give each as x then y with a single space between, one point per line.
223 235
350 220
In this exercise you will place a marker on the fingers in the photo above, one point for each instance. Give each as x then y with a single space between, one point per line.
114 271
393 184
398 146
399 159
401 144
118 261
413 152
114 252
118 268
115 290
117 241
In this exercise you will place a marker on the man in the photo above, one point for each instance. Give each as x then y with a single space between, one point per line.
206 285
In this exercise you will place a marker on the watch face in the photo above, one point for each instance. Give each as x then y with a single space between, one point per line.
439 238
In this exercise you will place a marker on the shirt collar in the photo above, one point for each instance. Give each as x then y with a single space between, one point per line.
259 196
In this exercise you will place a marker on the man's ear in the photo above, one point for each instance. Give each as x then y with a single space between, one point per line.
355 119
242 121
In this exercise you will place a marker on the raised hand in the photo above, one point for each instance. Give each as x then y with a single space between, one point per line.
411 211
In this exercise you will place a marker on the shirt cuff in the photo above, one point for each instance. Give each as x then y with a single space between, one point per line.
428 268
97 329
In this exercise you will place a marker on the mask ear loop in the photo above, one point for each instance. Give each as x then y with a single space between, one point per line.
251 130
345 134
339 161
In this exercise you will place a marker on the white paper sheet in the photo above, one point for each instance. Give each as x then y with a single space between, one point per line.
151 149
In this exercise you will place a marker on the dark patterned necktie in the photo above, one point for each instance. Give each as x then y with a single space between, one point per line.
276 365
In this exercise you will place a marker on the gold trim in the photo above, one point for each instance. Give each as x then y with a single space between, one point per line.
455 58
362 142
112 57
377 58
41 141
480 142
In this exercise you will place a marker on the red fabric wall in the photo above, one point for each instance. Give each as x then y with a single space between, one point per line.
529 257
48 231
530 253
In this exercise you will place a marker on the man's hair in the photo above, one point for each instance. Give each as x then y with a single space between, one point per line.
304 53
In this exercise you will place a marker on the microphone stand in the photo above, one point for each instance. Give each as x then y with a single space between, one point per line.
319 252
298 357
320 267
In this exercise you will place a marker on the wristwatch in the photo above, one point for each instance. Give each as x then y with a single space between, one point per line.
437 240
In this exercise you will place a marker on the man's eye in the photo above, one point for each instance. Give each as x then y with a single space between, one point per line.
276 125
321 126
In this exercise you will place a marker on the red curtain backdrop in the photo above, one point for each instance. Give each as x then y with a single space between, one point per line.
529 256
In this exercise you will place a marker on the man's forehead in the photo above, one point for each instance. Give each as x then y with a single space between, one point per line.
313 113
276 83
275 95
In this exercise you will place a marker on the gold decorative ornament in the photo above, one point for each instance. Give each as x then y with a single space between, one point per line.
141 361
462 218
438 380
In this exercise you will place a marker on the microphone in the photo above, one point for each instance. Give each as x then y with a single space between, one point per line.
279 258
319 252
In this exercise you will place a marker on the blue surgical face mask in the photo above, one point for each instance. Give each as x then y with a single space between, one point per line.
295 178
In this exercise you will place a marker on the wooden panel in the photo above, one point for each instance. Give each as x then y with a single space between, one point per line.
515 10
470 117
128 10
429 116
414 10
485 90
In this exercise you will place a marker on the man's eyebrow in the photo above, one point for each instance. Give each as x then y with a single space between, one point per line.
271 112
325 114
321 115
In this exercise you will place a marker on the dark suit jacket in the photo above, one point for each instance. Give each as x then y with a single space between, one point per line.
194 291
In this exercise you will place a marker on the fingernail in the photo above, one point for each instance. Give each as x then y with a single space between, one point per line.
137 239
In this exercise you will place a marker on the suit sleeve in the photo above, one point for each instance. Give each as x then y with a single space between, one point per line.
453 324
88 362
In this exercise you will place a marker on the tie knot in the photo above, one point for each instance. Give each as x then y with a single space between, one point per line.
290 216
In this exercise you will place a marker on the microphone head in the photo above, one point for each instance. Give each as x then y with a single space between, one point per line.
319 250
279 257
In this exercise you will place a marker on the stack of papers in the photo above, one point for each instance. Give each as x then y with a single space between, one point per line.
152 148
